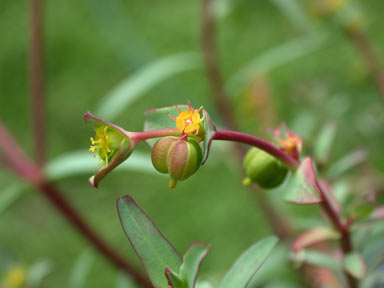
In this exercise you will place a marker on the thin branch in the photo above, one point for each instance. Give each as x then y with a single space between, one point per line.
61 204
36 79
212 67
369 54
257 142
220 98
342 227
14 156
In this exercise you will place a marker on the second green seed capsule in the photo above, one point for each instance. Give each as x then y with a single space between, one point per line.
263 169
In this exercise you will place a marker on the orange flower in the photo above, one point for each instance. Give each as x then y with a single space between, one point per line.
189 121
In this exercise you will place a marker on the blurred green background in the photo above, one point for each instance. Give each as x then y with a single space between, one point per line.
91 46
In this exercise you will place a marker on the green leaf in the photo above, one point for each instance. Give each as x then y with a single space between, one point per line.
131 88
10 195
324 142
154 250
248 264
319 259
354 264
81 269
203 284
292 10
159 119
209 130
314 236
82 162
124 281
347 162
302 187
274 58
175 280
37 272
195 254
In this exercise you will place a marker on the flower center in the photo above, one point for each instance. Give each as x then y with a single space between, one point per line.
102 145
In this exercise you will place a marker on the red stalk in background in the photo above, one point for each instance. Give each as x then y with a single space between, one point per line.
30 172
36 79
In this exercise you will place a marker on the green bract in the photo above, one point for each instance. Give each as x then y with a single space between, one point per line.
264 169
179 158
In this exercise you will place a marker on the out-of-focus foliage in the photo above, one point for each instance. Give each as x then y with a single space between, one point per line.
95 49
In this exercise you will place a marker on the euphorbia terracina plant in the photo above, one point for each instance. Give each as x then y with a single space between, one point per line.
180 137
180 129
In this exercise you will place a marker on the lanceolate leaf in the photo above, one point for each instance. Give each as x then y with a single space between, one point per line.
209 128
292 10
248 264
324 141
192 261
318 259
354 264
302 188
136 85
81 162
314 236
81 269
154 250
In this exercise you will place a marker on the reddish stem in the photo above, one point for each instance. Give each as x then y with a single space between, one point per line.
342 227
36 79
212 66
61 204
257 142
141 136
223 105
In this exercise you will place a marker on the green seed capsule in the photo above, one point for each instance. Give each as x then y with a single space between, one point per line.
179 158
263 169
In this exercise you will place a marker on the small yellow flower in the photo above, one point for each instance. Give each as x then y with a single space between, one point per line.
105 143
15 278
290 144
189 121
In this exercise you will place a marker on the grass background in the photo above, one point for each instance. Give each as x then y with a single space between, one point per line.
90 46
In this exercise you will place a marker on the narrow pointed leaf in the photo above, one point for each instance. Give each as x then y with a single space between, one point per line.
37 273
81 162
314 236
124 281
142 81
210 129
175 280
10 195
354 264
324 142
318 259
81 269
242 272
348 162
192 261
302 188
154 250
274 58
203 284
292 10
